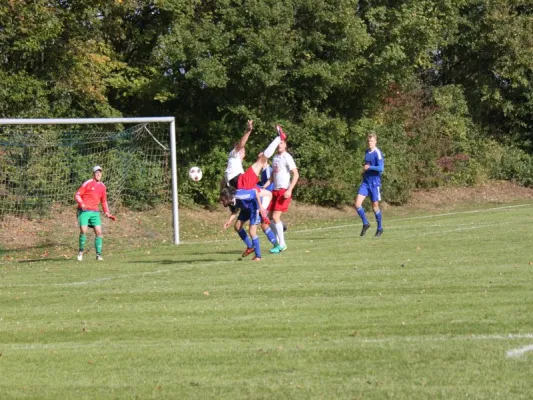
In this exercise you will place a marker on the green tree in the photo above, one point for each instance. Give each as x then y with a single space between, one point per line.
492 58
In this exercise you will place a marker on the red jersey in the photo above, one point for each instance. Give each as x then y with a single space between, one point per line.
91 194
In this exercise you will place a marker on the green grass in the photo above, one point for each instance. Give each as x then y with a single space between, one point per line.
423 312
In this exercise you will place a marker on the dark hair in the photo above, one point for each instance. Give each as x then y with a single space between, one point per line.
227 194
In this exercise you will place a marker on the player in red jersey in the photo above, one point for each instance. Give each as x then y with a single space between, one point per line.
89 196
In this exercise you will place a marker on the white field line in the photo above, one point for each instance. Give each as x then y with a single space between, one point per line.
463 212
391 339
515 353
358 223
460 338
467 228
160 271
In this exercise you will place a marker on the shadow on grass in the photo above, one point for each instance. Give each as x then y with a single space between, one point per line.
170 262
28 249
36 260
217 252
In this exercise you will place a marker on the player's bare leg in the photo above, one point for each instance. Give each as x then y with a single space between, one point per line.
266 197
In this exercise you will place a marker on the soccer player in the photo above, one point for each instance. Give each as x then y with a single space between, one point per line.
234 166
89 196
249 202
373 167
235 176
285 176
242 216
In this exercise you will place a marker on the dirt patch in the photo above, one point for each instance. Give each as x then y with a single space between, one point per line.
497 192
58 235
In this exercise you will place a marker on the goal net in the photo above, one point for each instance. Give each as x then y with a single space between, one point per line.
43 164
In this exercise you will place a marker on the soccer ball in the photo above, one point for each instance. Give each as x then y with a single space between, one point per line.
195 174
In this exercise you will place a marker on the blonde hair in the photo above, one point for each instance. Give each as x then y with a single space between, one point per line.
372 134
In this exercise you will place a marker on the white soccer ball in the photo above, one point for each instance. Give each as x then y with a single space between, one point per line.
195 174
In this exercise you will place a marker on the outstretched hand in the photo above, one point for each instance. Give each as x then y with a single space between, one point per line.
112 217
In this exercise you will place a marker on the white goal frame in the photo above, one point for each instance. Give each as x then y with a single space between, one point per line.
87 121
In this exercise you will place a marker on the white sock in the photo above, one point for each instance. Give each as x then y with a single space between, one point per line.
273 228
271 149
281 234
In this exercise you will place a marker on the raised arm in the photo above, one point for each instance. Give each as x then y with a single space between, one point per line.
249 127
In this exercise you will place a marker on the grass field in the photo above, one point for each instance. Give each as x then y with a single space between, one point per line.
440 306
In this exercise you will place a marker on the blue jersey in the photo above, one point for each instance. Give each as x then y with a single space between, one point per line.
265 175
246 200
374 158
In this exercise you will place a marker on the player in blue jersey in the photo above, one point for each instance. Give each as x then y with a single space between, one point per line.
249 203
372 169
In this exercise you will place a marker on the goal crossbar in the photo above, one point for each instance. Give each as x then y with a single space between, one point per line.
140 120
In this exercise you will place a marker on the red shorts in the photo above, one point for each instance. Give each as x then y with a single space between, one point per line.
248 180
279 203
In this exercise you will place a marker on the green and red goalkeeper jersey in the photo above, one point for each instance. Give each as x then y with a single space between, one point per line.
91 194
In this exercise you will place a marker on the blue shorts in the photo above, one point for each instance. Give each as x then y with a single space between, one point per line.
253 216
370 191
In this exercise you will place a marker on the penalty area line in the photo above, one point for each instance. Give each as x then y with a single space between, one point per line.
391 339
445 338
391 221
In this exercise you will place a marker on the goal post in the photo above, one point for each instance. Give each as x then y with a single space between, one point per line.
16 145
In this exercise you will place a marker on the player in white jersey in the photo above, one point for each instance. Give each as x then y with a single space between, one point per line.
285 176
235 176
234 167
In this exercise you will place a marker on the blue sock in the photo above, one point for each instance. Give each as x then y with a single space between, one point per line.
361 212
244 236
271 237
257 249
378 219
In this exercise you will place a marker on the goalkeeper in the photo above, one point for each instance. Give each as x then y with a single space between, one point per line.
89 196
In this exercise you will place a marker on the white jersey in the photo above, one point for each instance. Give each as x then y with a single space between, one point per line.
234 167
282 164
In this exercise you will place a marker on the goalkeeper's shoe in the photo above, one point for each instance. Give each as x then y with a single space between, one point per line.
282 135
365 228
378 233
247 252
99 257
80 255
